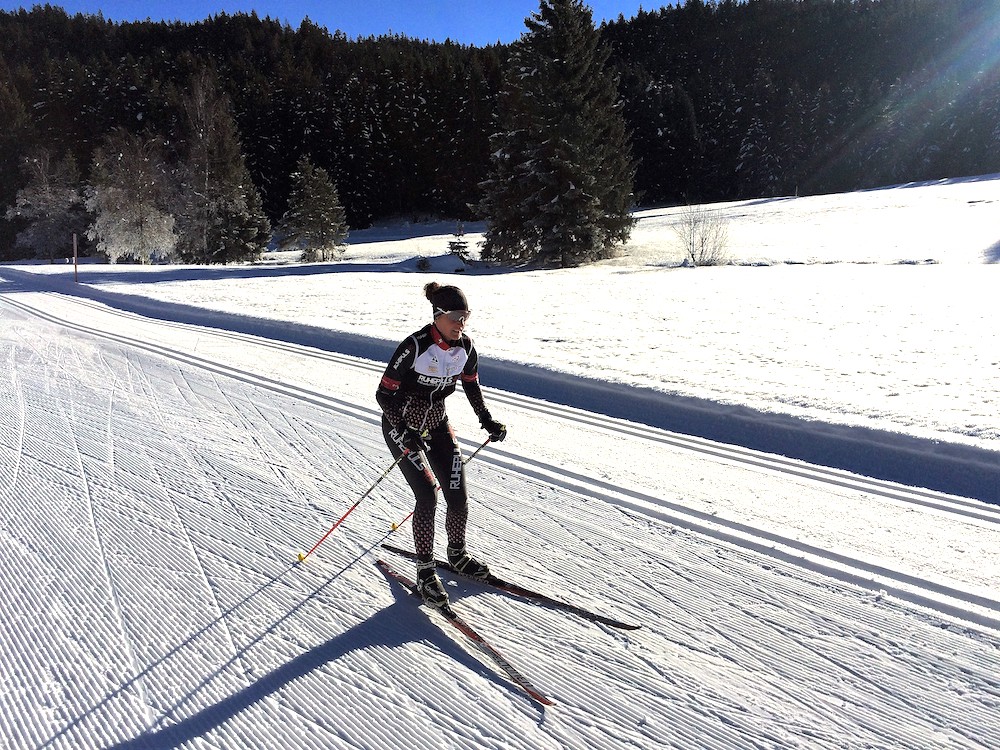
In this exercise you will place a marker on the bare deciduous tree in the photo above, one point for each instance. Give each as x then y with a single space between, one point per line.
704 236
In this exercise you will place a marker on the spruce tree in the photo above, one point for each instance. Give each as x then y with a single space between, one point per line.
315 220
561 185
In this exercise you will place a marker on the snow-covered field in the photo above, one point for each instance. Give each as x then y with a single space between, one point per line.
160 471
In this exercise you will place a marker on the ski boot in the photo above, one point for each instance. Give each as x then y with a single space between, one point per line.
466 564
430 587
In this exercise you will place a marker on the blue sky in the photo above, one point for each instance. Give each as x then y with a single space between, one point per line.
476 22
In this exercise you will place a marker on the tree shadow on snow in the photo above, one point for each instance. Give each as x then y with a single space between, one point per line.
99 273
293 333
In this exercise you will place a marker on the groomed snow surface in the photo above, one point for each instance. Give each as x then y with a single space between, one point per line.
172 438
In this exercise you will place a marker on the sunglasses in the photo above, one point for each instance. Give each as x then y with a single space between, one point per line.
456 316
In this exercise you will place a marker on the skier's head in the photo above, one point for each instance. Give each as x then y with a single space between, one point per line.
451 309
445 299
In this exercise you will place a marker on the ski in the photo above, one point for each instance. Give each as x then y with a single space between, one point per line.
477 640
516 590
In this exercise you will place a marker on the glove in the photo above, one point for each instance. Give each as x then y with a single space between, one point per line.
497 430
412 440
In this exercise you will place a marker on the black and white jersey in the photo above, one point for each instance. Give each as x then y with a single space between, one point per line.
422 373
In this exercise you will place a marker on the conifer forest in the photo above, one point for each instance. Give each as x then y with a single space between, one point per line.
717 101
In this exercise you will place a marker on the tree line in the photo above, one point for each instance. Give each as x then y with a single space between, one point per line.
718 100
780 97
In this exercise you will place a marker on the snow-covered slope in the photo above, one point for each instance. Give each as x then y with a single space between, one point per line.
160 472
157 482
871 312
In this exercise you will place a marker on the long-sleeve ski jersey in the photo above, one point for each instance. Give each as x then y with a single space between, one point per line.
422 373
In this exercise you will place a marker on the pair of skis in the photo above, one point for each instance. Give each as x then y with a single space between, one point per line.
481 643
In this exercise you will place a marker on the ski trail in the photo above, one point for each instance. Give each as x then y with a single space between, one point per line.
139 483
754 647
251 430
738 647
121 623
219 611
109 433
192 547
981 609
18 395
259 427
570 415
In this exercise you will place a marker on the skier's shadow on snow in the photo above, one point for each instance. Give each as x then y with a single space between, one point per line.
396 625
992 253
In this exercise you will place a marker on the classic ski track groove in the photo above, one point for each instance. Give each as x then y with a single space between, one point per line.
751 645
830 563
121 622
736 454
770 634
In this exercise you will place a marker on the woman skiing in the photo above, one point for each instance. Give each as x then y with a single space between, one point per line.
422 373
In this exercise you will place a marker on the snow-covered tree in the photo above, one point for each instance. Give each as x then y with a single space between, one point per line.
51 203
703 235
129 195
315 221
560 189
220 214
759 165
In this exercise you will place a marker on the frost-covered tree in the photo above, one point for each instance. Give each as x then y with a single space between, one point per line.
220 214
51 205
703 236
315 221
561 185
129 195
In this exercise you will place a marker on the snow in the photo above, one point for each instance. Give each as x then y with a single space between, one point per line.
785 469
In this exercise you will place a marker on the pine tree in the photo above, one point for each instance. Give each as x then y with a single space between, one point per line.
561 185
315 220
51 204
129 195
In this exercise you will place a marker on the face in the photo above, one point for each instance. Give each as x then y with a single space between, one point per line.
451 325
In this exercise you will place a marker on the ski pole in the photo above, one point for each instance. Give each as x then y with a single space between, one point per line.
437 486
473 454
302 557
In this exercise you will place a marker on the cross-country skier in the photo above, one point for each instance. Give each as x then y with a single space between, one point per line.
421 374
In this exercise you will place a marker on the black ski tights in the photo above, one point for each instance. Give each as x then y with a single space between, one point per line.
445 459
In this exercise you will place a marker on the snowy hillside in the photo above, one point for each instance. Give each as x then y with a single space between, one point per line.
159 474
